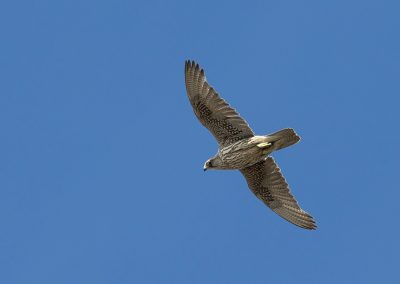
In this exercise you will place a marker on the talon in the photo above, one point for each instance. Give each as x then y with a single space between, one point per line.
264 145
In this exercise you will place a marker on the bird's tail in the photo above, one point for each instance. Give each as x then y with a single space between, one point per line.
283 138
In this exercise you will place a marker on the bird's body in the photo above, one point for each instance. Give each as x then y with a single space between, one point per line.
240 149
249 151
242 153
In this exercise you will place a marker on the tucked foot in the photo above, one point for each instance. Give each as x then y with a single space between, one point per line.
264 145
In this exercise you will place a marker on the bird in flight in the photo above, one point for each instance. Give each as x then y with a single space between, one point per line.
240 149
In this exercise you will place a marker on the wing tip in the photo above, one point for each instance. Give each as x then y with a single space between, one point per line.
190 63
194 72
307 221
312 226
308 225
297 217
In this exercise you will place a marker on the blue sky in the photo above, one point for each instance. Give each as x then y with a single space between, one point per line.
101 175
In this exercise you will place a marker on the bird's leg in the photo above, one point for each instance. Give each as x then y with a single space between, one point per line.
264 145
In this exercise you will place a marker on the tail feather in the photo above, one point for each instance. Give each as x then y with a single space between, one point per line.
283 138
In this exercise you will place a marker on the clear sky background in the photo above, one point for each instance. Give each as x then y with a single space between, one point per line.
101 156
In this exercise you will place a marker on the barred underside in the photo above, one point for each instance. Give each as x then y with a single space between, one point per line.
242 154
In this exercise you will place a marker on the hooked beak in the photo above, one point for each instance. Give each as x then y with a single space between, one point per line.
206 166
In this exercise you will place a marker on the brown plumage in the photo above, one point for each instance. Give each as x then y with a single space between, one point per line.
267 183
240 148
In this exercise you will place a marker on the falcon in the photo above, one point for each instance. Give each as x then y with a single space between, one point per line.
240 149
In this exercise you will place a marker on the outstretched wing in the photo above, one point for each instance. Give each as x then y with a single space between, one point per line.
213 112
267 183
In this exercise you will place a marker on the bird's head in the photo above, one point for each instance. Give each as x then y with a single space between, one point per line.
207 165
